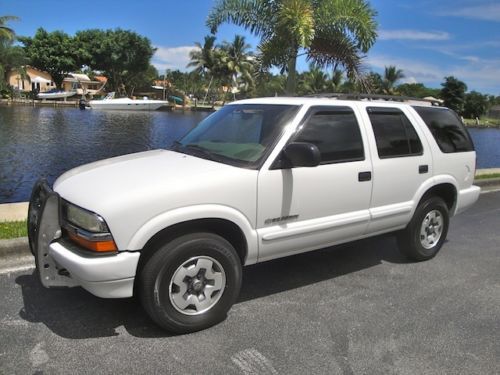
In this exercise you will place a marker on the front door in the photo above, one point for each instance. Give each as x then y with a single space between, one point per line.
301 209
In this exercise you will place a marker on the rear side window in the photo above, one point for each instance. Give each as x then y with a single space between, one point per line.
336 133
448 131
394 133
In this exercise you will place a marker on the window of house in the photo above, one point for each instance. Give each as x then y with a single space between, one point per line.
448 131
394 133
335 131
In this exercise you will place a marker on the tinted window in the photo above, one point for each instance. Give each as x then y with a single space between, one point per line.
336 134
394 133
447 129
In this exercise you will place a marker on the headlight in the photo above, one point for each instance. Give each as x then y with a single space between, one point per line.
87 229
85 219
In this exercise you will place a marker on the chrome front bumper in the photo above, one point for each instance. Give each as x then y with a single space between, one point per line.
61 263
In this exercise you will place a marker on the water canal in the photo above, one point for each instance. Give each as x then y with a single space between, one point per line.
47 141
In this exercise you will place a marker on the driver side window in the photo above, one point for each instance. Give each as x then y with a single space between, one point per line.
335 131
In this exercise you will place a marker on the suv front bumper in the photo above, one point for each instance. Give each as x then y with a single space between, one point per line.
61 263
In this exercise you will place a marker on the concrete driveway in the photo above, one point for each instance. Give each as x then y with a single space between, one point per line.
353 309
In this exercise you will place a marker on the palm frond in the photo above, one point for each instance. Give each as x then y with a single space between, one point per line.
253 15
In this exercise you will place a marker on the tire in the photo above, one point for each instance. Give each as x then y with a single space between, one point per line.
419 241
190 283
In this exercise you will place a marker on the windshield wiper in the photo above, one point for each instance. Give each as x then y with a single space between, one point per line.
201 151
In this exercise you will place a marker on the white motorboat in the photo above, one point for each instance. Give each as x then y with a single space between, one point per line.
56 94
109 102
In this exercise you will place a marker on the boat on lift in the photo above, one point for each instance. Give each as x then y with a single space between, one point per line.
109 102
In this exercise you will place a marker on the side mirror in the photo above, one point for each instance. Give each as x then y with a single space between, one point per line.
301 154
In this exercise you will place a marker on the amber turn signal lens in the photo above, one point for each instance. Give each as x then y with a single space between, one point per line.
99 246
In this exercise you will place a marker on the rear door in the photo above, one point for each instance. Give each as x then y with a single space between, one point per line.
402 162
300 209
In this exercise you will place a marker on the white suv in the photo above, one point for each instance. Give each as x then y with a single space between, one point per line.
257 180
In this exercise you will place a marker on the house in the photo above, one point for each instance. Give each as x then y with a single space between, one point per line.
39 80
83 84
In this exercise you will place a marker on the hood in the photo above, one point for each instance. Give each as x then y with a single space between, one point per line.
130 190
122 178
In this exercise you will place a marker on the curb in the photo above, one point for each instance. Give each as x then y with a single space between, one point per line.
14 246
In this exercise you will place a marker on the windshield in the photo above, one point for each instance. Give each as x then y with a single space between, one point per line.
237 134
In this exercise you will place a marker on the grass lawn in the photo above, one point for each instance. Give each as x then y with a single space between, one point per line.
487 175
13 229
483 121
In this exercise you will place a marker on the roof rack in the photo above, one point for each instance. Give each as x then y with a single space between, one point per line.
389 98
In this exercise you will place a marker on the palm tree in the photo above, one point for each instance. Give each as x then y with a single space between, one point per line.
328 32
203 60
6 32
11 57
314 81
335 83
238 61
391 76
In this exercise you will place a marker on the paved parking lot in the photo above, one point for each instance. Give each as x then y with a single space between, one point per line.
354 309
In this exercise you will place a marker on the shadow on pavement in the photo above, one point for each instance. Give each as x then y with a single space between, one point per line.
76 314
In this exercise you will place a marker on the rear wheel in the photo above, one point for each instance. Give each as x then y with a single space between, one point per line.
425 234
191 282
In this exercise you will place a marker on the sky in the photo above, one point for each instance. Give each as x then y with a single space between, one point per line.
427 39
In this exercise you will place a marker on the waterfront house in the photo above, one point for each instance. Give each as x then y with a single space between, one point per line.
38 80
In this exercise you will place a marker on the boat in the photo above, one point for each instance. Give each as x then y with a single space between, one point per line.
109 102
56 94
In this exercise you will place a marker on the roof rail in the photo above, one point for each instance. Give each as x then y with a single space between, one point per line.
390 98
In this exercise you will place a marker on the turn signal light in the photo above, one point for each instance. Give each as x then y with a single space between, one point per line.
99 246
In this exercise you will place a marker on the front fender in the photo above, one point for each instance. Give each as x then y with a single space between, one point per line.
180 215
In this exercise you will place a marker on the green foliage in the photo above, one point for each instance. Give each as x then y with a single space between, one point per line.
475 105
228 65
6 33
330 32
122 55
375 83
11 57
314 81
52 52
391 76
453 94
417 90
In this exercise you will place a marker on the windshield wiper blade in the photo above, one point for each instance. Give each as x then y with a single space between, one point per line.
200 151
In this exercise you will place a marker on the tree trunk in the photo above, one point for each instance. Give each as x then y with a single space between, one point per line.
291 80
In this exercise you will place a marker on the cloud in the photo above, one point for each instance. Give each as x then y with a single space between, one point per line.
417 70
413 35
478 73
487 12
171 57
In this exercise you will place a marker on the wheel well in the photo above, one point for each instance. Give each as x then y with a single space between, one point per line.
224 228
445 191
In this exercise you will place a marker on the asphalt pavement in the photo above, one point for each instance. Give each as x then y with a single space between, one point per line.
360 308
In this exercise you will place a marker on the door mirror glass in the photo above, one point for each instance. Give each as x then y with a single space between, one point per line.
301 154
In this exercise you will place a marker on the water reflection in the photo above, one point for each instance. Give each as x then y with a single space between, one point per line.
46 141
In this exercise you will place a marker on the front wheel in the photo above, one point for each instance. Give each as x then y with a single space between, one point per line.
190 283
427 230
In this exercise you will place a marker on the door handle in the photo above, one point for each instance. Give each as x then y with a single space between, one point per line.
364 176
423 169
